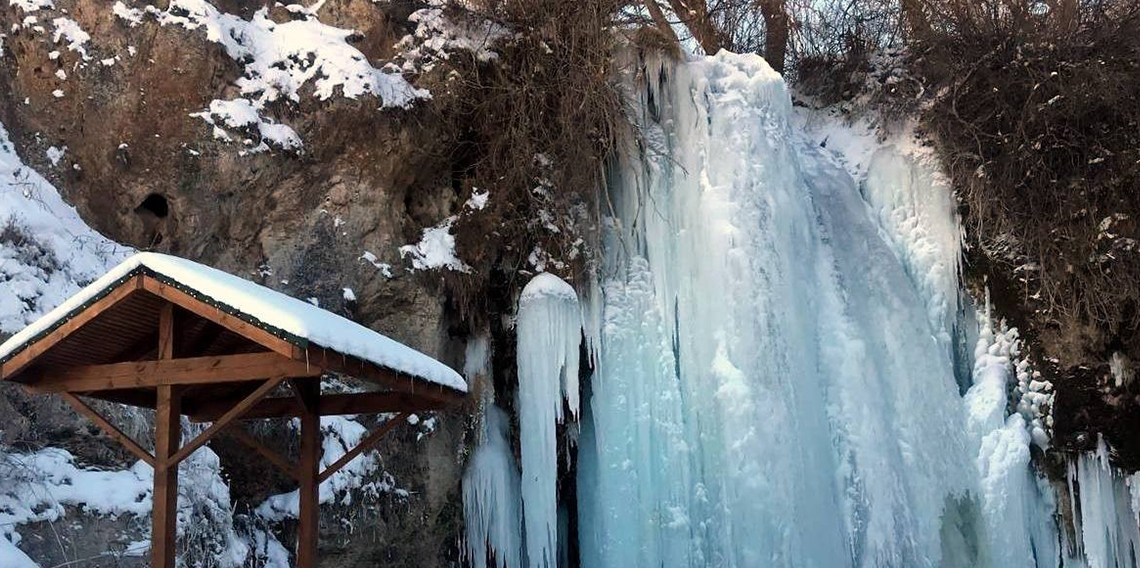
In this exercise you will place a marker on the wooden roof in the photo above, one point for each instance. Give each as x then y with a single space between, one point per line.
107 346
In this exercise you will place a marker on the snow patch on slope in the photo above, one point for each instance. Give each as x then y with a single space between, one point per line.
47 253
281 59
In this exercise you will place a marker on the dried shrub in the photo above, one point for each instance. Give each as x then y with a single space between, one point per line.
533 127
1039 127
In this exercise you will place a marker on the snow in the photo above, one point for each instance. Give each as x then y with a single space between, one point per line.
339 435
66 28
278 59
439 33
133 16
31 5
242 114
53 254
383 267
549 331
38 486
54 155
477 201
349 295
270 308
491 501
436 249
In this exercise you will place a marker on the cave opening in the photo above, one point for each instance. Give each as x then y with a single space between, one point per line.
155 204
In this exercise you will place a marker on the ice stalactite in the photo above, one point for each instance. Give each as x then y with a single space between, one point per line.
491 504
549 337
1104 502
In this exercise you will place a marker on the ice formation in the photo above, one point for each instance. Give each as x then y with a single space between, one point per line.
491 504
775 329
549 336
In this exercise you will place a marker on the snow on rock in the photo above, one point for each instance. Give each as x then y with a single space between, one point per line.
269 307
68 29
436 249
47 252
38 486
383 267
31 5
491 501
54 155
279 59
549 331
133 16
243 114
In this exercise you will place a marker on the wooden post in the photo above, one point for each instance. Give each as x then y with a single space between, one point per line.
167 438
308 531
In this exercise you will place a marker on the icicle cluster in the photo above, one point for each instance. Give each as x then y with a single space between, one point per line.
1104 510
491 505
549 334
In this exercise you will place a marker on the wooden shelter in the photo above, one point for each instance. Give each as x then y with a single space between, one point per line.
183 339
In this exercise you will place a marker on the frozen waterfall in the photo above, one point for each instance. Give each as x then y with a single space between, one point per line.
783 372
775 380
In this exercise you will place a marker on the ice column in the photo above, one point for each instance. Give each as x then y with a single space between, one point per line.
549 335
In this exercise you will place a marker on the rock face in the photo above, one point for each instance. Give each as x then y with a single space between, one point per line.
313 222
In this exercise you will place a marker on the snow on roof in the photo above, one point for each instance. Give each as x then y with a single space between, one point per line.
265 307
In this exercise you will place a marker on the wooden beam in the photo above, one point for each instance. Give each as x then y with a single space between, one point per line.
328 405
220 317
191 370
226 418
239 434
115 434
355 367
140 398
363 446
164 515
309 519
22 359
166 331
305 403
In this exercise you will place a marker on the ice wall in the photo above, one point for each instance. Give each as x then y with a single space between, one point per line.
549 336
773 331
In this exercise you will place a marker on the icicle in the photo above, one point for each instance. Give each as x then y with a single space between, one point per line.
549 335
491 504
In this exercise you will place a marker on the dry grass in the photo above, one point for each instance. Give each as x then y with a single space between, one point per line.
1039 127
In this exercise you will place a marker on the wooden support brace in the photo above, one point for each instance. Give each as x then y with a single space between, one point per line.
239 433
226 418
363 446
116 434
